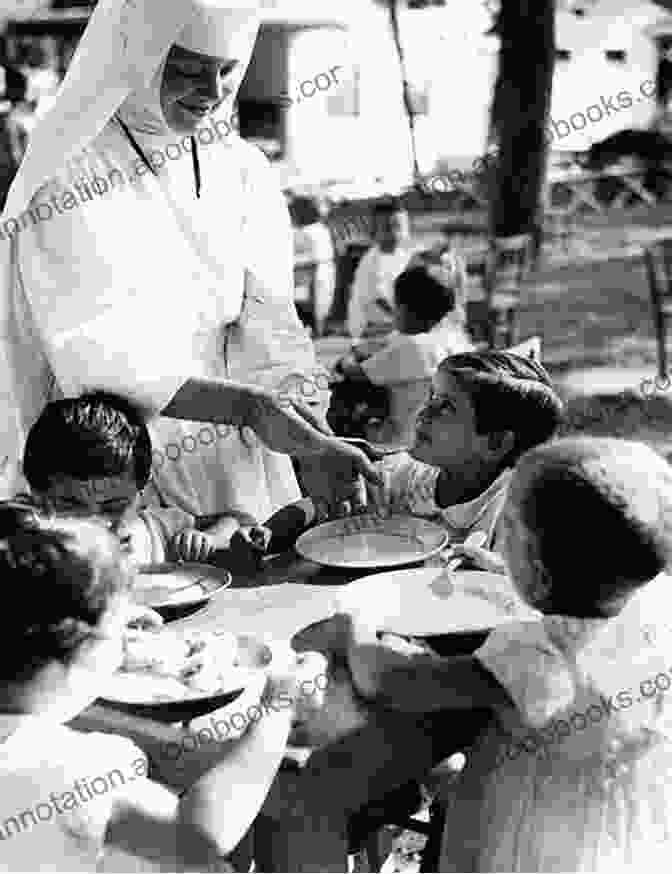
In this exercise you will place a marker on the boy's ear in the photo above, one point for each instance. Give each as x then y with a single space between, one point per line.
501 443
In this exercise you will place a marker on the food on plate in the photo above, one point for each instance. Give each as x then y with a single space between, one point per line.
165 665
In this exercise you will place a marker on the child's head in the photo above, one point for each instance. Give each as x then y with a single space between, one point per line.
587 521
486 409
90 456
426 292
390 223
64 619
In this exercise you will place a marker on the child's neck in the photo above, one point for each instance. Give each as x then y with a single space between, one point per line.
459 489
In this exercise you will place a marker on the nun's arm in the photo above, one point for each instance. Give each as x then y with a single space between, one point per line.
109 308
271 329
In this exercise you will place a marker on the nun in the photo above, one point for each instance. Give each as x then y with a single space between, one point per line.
149 253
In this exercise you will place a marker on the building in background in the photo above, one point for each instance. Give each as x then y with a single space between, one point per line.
606 52
323 94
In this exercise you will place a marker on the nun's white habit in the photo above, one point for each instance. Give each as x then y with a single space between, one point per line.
137 288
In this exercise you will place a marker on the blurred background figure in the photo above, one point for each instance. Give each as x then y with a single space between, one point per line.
371 309
313 244
390 377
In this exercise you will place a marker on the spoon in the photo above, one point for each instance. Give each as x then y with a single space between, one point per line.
373 448
443 585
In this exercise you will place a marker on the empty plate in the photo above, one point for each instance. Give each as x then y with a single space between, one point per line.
372 541
171 587
405 602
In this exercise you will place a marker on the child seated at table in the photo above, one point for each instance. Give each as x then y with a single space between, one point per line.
574 772
430 318
485 410
430 321
61 642
92 456
371 305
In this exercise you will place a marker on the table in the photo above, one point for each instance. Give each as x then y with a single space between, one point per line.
362 752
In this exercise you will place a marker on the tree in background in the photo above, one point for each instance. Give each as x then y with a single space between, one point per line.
519 111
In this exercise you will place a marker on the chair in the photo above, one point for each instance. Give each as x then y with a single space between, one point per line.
407 816
658 260
507 266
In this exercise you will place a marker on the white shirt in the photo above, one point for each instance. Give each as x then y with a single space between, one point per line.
52 815
410 487
416 356
374 278
139 289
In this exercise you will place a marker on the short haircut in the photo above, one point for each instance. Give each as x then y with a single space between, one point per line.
98 434
508 393
601 512
62 575
433 285
425 294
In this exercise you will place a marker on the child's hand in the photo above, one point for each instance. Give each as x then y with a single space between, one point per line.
191 545
138 616
300 679
248 547
483 559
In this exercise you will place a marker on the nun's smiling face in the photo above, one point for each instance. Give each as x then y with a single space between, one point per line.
193 87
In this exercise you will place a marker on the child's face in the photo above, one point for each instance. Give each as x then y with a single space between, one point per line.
71 686
391 230
445 434
112 500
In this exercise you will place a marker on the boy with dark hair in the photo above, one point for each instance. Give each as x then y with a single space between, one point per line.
92 456
429 311
484 411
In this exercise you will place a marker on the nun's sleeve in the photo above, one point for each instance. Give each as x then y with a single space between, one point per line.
100 306
271 342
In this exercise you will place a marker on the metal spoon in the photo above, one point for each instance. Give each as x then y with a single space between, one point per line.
373 448
443 585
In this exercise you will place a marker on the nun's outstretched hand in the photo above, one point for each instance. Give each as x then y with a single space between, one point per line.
289 427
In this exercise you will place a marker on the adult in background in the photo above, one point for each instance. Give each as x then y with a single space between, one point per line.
171 282
371 305
313 243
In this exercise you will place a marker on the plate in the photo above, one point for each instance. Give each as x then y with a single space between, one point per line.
372 542
171 587
152 697
405 602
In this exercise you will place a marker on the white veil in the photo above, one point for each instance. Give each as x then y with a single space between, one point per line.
123 47
118 63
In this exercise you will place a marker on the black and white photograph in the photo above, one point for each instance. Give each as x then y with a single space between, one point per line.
336 436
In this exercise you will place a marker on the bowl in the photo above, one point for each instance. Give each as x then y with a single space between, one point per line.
177 589
254 657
